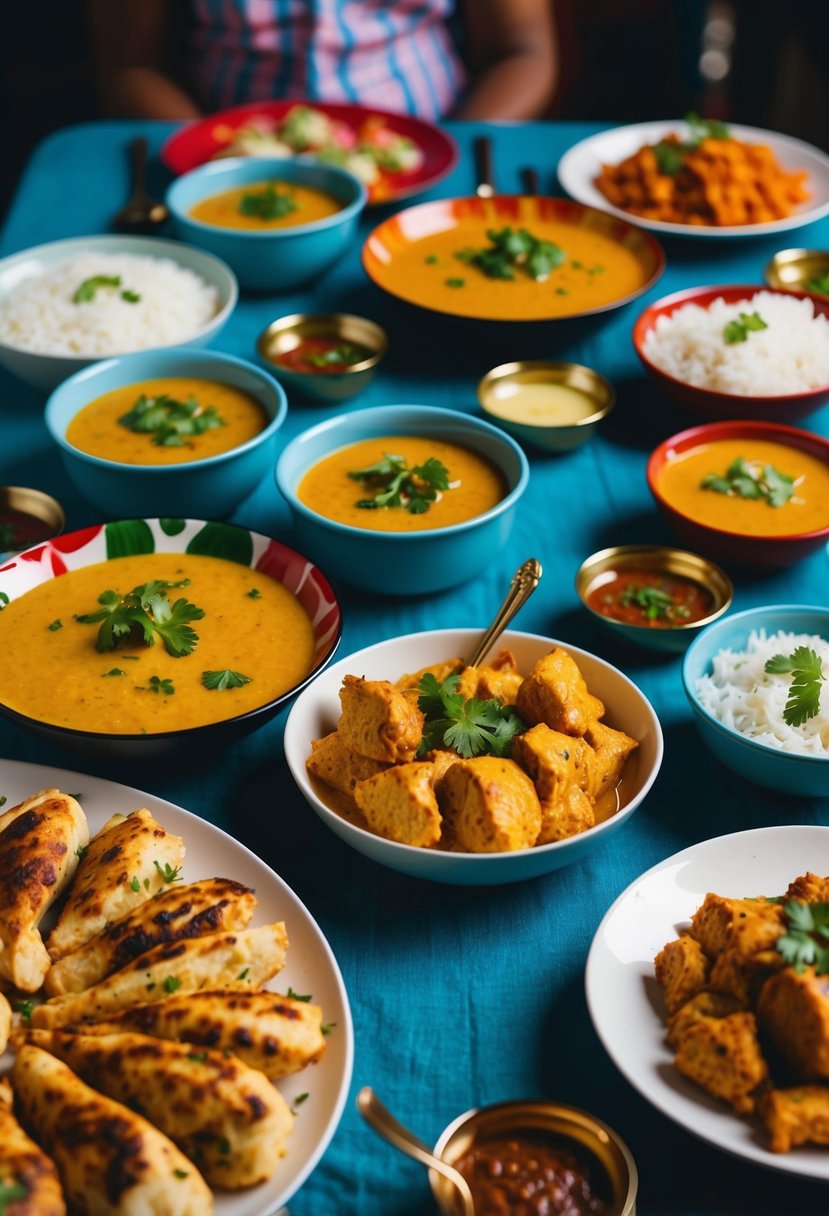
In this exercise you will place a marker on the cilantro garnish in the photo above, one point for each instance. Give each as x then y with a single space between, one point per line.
198 1057
254 594
224 679
751 479
4 600
511 249
267 204
81 851
146 614
396 485
346 353
746 323
806 941
298 1100
9 1192
327 1027
170 421
296 996
805 667
55 625
3 799
113 671
243 974
171 984
181 1174
169 873
89 288
470 727
656 604
25 1009
158 685
820 284
456 282
670 153
135 884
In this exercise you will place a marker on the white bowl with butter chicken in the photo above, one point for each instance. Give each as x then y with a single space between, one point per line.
473 776
138 638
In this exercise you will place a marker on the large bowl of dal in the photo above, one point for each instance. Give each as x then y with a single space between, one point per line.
69 303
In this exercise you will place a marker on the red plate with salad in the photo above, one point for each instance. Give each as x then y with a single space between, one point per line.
395 155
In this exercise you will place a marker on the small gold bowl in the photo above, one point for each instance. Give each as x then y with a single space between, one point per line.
655 559
793 270
604 1156
287 333
546 423
27 517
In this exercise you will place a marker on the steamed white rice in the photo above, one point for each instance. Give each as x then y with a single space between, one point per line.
791 356
741 695
40 315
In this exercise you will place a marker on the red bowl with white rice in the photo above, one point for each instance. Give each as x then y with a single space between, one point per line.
777 371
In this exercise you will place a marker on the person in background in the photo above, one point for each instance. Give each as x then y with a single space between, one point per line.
486 59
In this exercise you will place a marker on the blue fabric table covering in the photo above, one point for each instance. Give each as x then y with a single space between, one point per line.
460 996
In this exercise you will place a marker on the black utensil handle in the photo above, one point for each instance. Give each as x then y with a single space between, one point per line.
483 161
529 180
138 157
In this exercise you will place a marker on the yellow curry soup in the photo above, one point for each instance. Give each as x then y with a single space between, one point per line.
475 485
232 208
807 510
252 626
97 429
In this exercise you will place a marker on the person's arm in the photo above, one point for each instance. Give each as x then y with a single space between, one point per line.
511 53
129 42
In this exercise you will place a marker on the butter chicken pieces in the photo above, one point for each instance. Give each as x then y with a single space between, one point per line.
747 995
542 784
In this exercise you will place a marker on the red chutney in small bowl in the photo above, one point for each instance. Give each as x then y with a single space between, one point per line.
322 356
651 599
528 1174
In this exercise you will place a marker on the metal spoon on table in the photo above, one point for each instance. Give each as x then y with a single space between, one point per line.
142 214
484 174
385 1124
524 582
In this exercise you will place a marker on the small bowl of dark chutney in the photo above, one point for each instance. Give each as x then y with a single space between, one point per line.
537 1159
27 518
326 357
653 595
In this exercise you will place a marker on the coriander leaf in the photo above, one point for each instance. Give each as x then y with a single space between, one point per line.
779 664
114 671
327 1027
298 1100
169 421
25 1009
168 873
11 1191
819 284
470 727
55 626
221 680
739 329
243 974
267 204
396 485
806 941
296 996
750 479
510 249
181 1173
131 297
346 353
198 1057
3 799
254 594
135 885
89 287
159 685
171 984
81 851
655 604
455 282
670 156
806 669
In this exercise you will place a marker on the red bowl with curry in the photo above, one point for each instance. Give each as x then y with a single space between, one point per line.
711 403
751 492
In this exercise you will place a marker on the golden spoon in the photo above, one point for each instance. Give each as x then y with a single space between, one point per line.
524 582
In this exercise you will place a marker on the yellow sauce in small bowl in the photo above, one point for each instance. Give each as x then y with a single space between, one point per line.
540 403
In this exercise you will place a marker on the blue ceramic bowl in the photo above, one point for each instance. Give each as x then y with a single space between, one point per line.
210 487
777 770
285 257
47 370
404 563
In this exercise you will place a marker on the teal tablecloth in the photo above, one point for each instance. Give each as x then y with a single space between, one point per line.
461 996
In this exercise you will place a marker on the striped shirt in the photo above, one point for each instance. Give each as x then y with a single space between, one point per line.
398 55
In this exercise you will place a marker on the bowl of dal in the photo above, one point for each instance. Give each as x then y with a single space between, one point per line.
752 718
316 713
511 258
755 493
552 405
403 499
170 432
278 222
137 638
66 304
739 351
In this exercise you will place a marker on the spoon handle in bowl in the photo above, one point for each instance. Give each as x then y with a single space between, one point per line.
524 582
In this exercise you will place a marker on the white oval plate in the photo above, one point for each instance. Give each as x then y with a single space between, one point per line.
579 166
311 966
625 1001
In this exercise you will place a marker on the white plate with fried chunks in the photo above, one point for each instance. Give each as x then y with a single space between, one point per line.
237 984
738 889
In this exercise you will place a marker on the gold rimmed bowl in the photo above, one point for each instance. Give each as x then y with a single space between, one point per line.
599 1152
553 405
800 270
662 597
287 334
27 517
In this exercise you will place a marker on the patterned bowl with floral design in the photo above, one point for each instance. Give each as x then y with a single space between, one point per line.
104 543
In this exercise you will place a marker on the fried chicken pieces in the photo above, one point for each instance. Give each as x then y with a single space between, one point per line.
147 1076
546 790
746 1026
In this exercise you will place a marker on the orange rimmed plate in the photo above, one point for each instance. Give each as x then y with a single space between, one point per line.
414 256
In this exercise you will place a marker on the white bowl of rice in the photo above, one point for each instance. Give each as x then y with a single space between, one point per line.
69 303
739 352
758 683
